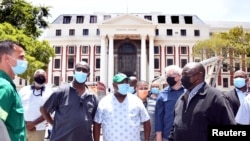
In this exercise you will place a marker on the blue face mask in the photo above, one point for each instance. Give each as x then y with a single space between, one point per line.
21 66
154 90
80 76
131 89
239 82
123 88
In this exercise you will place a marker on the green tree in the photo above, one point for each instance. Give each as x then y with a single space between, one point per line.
232 45
38 53
229 44
21 14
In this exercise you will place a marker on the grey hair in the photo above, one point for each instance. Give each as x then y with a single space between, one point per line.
40 71
176 69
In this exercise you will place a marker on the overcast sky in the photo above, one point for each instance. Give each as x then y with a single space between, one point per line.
206 10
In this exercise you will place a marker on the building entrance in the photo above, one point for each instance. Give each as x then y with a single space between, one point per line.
127 59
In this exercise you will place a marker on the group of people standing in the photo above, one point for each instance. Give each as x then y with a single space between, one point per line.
134 111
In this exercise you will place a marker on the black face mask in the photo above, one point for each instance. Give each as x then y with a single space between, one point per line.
171 81
40 79
185 80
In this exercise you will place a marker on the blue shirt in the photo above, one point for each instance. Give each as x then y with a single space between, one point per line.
164 110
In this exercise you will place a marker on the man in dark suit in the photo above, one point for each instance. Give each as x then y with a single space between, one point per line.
236 95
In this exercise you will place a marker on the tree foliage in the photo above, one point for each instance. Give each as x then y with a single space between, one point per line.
38 53
22 15
22 22
231 45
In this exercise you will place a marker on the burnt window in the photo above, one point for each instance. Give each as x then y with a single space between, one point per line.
161 19
188 19
175 19
148 17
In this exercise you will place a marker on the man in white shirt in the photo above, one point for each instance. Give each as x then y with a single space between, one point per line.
121 114
243 114
33 97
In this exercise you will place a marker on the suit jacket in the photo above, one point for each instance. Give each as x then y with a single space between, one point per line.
233 100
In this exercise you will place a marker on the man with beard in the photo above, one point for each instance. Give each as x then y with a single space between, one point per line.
164 109
200 106
33 97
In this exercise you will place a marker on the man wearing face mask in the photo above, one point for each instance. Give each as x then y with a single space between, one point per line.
132 82
74 106
200 106
12 62
33 97
164 110
121 114
237 95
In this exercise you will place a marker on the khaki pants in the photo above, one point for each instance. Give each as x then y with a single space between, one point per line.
37 135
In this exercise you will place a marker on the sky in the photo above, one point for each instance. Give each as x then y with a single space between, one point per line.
206 10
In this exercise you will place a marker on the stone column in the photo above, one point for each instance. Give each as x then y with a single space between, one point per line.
143 58
151 58
111 61
103 69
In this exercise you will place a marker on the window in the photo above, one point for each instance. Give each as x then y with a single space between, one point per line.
56 80
169 32
85 32
183 50
93 19
97 32
106 17
20 81
183 62
225 67
79 19
97 78
98 49
97 63
225 82
71 50
170 62
66 19
58 32
26 82
175 19
71 62
170 50
71 32
156 63
70 78
85 49
57 63
148 17
183 32
196 32
156 50
85 60
57 50
188 19
161 19
237 66
156 32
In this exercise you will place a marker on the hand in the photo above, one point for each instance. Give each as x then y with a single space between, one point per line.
30 126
